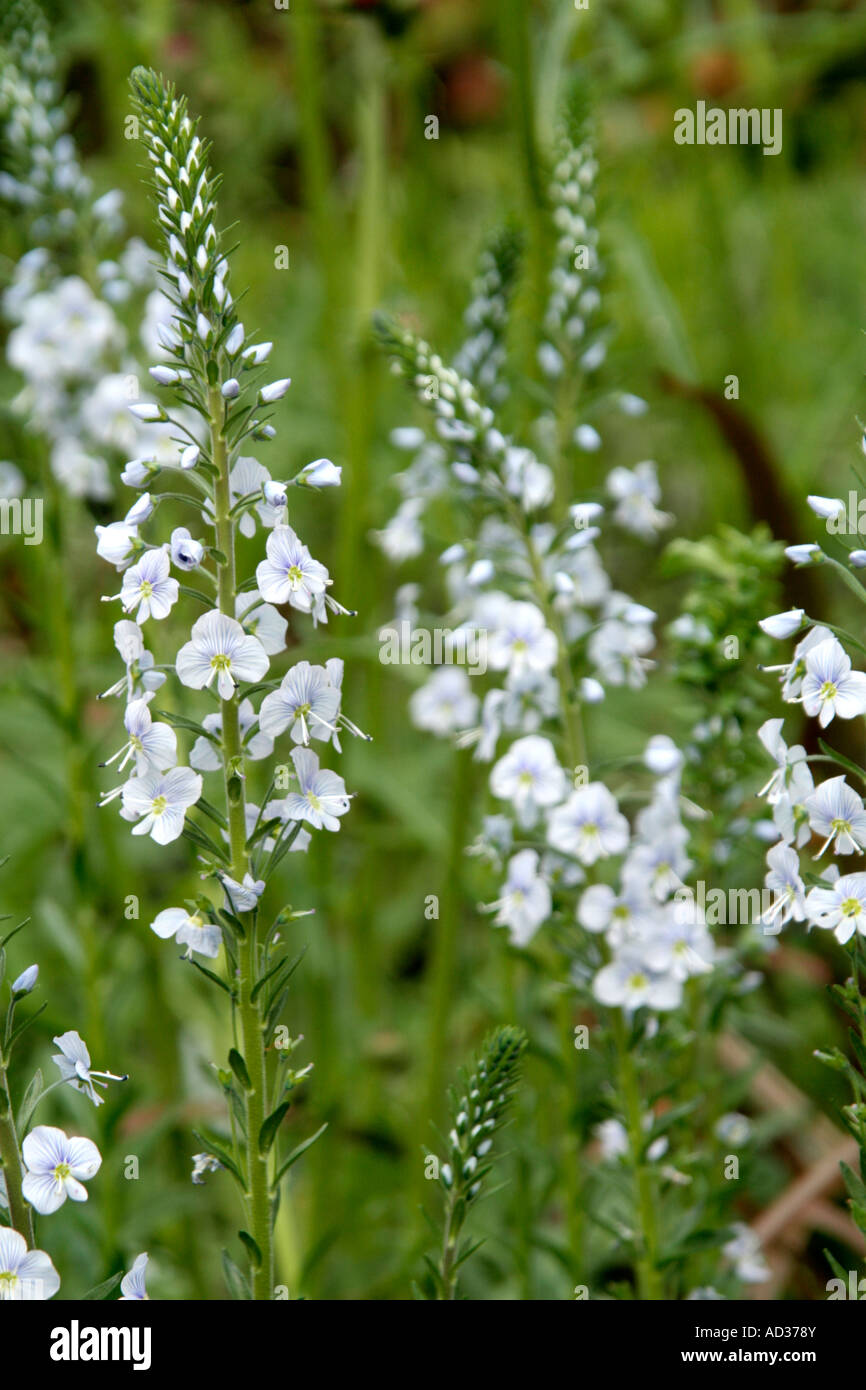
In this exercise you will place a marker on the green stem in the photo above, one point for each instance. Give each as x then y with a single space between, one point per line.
249 1012
649 1284
20 1213
449 1253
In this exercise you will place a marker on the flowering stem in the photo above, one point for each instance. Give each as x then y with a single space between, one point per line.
20 1213
258 1187
647 1271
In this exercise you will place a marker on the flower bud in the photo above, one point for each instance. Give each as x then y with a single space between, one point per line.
26 982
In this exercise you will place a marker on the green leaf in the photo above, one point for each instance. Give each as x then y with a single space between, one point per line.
268 1131
180 721
252 1249
205 599
849 766
237 1283
859 1049
202 840
282 964
213 813
14 932
31 1018
28 1104
836 1267
296 1154
239 1067
214 978
100 1292
213 1145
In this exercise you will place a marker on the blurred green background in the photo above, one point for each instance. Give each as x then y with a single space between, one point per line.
720 261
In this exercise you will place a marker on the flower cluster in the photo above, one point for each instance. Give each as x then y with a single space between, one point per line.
41 1166
531 581
70 291
814 825
479 1109
594 861
214 369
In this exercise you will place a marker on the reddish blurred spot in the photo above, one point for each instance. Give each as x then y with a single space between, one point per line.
715 73
474 89
180 49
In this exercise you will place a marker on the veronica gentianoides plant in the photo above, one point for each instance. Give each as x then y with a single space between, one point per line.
213 370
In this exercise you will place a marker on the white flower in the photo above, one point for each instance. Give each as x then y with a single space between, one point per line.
275 495
840 909
117 543
527 479
629 983
160 801
402 538
792 772
189 929
744 1251
147 590
26 981
132 1286
525 902
836 811
321 798
220 648
57 1166
81 472
662 756
320 473
186 553
783 624
25 1275
733 1128
636 492
680 949
612 1136
306 701
530 777
105 414
273 392
826 507
445 703
830 687
619 916
805 554
154 746
201 1164
660 863
141 679
589 825
290 574
262 620
242 897
783 879
521 642
73 1061
205 757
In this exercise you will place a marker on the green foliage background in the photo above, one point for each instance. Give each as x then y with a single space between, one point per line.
720 261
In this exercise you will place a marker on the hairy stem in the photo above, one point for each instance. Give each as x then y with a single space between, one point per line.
649 1286
249 1012
20 1214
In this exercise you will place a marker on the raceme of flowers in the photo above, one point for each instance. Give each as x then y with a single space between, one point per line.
532 583
43 1166
214 369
